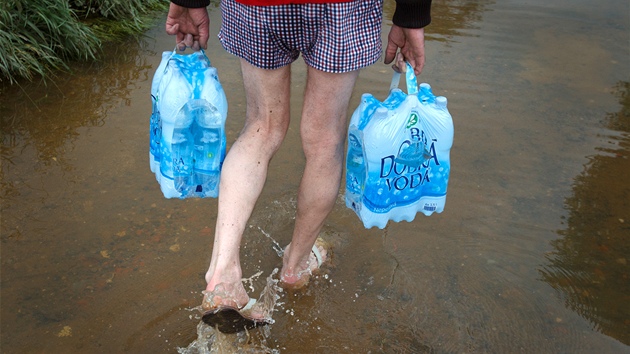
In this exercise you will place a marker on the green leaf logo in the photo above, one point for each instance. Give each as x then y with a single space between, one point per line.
413 120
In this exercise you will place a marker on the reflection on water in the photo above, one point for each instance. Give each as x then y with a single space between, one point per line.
451 18
48 117
67 231
590 266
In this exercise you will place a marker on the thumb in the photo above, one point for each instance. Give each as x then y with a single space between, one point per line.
400 63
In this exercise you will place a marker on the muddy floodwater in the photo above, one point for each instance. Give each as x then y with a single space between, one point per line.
531 254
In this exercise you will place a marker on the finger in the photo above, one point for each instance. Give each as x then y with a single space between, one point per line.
195 46
172 29
204 35
179 38
417 63
418 69
181 46
390 51
188 40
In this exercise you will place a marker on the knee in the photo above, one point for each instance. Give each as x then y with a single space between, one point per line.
268 128
327 145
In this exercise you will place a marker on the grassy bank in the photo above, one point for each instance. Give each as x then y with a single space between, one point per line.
38 38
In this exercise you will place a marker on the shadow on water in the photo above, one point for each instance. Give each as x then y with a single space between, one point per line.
590 264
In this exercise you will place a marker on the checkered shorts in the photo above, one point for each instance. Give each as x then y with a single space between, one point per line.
336 38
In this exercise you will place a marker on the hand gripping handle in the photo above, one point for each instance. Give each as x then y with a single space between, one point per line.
412 81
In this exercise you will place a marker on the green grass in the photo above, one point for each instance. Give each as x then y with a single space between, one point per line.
39 38
114 20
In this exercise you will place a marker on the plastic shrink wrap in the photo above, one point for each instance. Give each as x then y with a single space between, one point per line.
187 126
398 156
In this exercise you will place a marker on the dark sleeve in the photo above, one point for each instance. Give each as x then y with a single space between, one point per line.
412 13
191 4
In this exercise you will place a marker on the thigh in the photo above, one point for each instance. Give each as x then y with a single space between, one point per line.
324 114
267 93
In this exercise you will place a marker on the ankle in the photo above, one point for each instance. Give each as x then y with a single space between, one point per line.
223 276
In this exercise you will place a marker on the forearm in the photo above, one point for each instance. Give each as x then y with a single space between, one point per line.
412 13
191 4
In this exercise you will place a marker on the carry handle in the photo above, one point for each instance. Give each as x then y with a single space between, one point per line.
410 77
174 52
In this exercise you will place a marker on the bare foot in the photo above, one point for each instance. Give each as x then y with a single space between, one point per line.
227 316
296 278
229 309
225 294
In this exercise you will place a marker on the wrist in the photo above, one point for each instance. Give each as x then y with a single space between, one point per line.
191 4
412 14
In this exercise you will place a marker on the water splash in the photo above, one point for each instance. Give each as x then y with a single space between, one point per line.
251 279
268 298
275 245
211 341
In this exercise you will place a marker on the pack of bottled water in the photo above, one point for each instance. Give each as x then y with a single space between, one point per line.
398 156
187 128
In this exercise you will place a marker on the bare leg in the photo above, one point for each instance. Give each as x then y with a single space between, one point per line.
323 129
243 176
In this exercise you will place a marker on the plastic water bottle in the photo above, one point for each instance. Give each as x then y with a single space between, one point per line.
380 193
182 155
355 168
441 102
406 141
155 134
187 133
426 94
173 94
208 151
165 175
434 191
155 126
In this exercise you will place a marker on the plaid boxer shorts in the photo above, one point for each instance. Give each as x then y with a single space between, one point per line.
336 37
